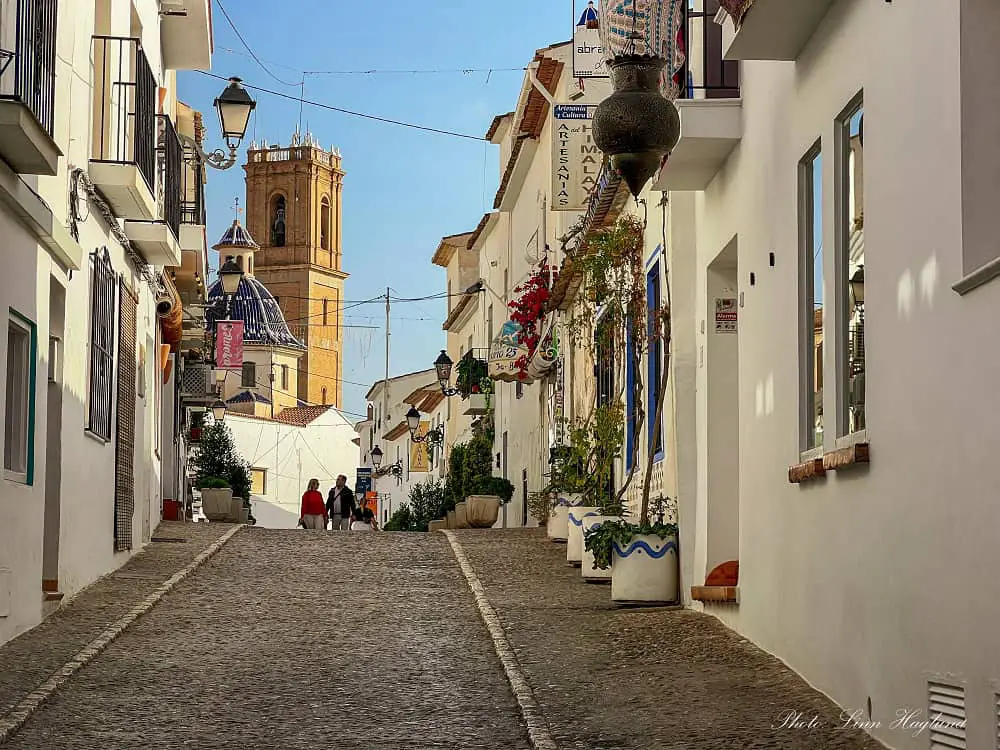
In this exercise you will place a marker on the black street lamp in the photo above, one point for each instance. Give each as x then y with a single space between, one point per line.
433 438
857 284
219 410
443 365
395 469
234 106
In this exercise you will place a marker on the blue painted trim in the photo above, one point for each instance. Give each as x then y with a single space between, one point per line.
654 257
563 502
640 544
654 358
630 448
573 520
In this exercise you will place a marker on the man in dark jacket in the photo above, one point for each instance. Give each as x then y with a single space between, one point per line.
340 504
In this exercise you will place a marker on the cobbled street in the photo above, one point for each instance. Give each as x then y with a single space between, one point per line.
297 639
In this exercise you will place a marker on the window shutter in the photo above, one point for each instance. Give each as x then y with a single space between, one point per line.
125 439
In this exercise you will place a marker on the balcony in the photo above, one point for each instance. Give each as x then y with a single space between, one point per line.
776 29
710 108
157 240
123 163
28 86
186 34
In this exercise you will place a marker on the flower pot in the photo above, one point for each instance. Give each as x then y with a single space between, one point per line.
461 516
476 405
557 527
235 510
482 511
452 520
438 525
217 504
574 539
587 570
644 570
244 515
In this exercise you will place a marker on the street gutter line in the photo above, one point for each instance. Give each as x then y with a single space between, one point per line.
18 716
538 730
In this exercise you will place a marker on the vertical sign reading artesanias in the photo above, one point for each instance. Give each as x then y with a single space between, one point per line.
576 159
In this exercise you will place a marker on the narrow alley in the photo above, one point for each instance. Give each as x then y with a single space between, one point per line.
298 639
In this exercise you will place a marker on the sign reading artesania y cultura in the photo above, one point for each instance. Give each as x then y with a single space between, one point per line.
576 160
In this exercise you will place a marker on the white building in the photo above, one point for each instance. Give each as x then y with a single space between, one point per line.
301 443
88 142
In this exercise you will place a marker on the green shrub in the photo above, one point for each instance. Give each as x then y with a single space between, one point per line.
213 483
217 457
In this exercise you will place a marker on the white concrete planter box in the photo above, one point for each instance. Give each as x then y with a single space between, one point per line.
587 569
217 505
476 405
452 522
557 528
574 539
482 511
461 517
645 570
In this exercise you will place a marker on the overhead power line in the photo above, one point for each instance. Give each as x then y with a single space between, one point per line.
248 49
341 110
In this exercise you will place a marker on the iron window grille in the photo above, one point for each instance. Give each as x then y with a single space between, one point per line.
103 307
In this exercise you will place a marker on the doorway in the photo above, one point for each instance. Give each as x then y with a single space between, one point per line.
722 367
53 439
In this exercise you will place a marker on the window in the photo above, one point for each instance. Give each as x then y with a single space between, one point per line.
278 221
258 481
102 345
851 269
336 316
326 312
249 379
518 389
811 298
654 369
324 224
19 417
324 396
284 378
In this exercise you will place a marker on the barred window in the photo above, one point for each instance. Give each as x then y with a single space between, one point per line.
249 375
102 344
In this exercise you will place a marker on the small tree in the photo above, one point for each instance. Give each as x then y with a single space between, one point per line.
218 458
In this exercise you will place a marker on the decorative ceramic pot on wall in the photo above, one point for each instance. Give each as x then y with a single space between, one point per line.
217 504
558 526
482 511
574 540
587 570
645 570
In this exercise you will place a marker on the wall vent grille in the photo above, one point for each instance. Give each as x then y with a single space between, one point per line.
946 712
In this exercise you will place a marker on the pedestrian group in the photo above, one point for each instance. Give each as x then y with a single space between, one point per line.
340 512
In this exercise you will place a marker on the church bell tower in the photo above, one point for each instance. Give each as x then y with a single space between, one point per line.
295 210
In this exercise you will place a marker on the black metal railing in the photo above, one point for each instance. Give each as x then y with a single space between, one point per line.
124 105
473 372
705 75
193 190
172 156
28 71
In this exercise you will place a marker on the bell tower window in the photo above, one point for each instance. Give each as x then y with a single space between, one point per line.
278 221
324 224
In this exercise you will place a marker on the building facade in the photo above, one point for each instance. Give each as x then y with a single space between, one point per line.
295 210
91 193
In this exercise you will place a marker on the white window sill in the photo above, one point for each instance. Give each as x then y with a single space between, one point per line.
849 441
95 437
17 477
977 278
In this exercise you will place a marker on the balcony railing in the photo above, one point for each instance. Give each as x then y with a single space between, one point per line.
473 372
172 159
193 192
124 106
705 74
28 57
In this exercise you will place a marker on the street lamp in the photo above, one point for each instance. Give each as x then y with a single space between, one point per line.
443 365
376 455
230 274
857 284
395 469
219 410
433 438
234 106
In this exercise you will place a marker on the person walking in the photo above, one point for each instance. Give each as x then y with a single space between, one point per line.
313 514
359 522
340 504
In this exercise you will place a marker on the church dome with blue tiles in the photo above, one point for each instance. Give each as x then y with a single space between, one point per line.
263 322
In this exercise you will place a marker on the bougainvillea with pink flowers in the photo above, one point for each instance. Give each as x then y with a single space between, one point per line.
529 309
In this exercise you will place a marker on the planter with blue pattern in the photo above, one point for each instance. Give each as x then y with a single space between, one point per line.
558 526
587 569
645 570
574 540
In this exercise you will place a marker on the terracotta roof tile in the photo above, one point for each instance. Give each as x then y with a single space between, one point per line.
495 125
302 415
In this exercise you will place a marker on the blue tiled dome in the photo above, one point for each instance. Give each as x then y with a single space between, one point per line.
263 322
237 237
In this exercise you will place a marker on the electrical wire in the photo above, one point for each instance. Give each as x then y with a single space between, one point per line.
252 53
341 110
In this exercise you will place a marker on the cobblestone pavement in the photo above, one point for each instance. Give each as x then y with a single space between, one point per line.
297 639
27 661
608 677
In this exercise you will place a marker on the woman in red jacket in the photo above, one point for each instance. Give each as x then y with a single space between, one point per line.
313 515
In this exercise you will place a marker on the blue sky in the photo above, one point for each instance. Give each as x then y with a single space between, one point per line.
404 189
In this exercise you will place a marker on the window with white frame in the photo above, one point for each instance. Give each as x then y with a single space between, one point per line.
19 414
811 298
851 269
103 324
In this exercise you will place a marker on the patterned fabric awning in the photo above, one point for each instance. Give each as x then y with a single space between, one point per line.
543 360
652 28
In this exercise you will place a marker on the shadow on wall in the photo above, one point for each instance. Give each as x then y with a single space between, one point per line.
271 515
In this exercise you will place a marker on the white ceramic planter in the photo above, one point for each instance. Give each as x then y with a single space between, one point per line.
574 539
461 517
558 526
587 569
217 504
476 405
482 511
645 570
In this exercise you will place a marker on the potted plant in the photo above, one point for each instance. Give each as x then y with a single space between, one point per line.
564 491
540 506
217 459
488 494
474 384
216 498
642 553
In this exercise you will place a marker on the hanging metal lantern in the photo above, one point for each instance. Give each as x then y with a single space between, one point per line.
637 126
